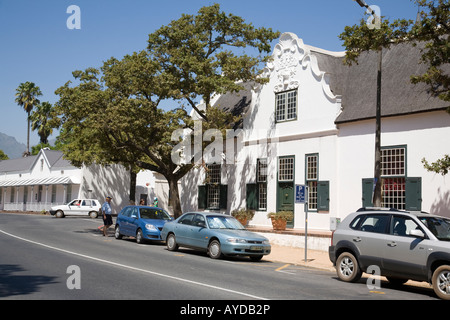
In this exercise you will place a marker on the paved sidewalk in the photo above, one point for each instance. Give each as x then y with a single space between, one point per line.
296 256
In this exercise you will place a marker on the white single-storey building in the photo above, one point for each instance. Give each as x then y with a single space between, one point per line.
36 183
313 124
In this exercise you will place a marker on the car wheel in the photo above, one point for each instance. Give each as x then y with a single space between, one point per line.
140 237
59 214
93 214
214 250
171 242
347 268
441 282
117 233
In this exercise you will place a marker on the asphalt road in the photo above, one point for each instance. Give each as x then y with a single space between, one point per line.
45 258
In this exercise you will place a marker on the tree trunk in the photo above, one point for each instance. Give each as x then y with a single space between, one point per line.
132 185
175 201
28 135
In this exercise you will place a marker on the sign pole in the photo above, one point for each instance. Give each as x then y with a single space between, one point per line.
301 196
306 224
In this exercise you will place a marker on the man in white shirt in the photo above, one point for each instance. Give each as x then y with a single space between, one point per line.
107 218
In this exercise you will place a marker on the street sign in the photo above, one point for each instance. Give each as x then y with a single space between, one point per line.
300 193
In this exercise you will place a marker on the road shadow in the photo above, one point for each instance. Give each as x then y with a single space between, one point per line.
410 286
13 285
204 254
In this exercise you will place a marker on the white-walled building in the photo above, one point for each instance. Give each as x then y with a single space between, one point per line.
313 124
36 183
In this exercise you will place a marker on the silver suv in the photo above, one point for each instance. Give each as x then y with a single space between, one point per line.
403 245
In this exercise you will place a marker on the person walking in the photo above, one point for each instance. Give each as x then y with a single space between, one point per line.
107 218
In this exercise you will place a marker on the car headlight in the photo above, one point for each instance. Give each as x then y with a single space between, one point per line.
266 242
236 240
150 227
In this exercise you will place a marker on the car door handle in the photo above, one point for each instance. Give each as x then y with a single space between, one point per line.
357 239
392 244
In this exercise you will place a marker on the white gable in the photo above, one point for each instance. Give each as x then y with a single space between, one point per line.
294 67
41 166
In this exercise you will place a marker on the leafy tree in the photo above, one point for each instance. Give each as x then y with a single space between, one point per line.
44 120
3 156
27 97
35 149
441 166
197 57
113 114
433 29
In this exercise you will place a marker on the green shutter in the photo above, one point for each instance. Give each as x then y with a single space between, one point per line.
367 192
252 196
202 197
223 196
323 196
413 194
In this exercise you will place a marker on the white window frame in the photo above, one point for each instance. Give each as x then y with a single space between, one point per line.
286 105
261 180
286 169
214 177
312 177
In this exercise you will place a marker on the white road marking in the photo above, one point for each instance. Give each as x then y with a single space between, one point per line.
133 268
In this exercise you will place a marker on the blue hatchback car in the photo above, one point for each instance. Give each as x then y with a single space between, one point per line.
142 222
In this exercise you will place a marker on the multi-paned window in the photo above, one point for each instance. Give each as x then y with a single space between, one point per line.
286 105
213 195
213 178
261 180
397 189
393 177
312 175
286 169
12 195
54 193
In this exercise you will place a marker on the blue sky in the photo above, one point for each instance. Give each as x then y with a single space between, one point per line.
37 46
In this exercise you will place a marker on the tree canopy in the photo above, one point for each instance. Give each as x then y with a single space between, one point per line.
27 97
433 29
113 114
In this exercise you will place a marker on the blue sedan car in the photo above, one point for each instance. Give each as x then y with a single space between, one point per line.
142 222
217 234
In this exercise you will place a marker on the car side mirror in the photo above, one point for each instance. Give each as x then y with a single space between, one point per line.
417 233
134 216
201 224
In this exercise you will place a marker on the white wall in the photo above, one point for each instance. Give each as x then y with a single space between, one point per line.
425 135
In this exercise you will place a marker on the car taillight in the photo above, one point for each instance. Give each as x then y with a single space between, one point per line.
332 234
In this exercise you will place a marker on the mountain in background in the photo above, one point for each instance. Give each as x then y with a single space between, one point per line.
11 147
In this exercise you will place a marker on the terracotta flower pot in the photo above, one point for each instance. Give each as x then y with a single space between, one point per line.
243 221
278 224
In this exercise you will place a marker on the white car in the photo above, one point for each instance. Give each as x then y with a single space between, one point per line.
77 207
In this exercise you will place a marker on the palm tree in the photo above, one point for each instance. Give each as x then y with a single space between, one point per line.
26 97
43 119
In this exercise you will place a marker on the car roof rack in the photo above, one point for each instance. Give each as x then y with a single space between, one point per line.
378 209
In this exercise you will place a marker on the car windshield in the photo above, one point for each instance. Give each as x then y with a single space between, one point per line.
223 222
152 213
440 227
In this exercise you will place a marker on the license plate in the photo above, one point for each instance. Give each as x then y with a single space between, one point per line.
256 248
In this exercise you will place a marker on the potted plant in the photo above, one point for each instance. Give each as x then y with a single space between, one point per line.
280 218
243 215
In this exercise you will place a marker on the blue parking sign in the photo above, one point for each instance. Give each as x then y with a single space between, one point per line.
300 193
